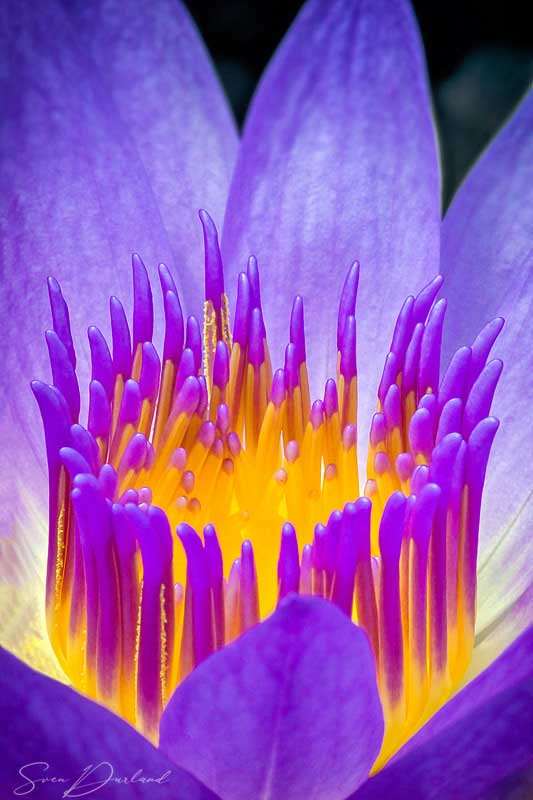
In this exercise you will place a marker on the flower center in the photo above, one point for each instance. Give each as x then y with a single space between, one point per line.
262 489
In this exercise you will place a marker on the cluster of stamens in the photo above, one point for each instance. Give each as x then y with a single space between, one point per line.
212 445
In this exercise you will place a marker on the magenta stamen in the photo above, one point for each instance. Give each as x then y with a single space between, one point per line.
297 329
61 318
429 369
86 445
389 375
403 329
419 478
288 562
99 419
478 450
421 433
249 600
63 373
215 568
348 362
455 381
94 521
101 361
412 358
347 301
392 408
292 373
424 299
214 273
121 339
252 272
342 591
197 595
223 419
450 420
166 280
74 462
256 348
193 341
242 310
390 621
483 345
186 368
150 371
278 390
331 400
479 401
377 429
221 366
306 571
174 333
143 310
405 466
107 481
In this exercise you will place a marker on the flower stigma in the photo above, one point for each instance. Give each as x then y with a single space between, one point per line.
261 487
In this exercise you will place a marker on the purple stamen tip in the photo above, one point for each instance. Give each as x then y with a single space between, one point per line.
194 341
173 328
221 365
279 388
256 348
297 328
242 310
166 280
214 273
253 276
331 400
207 433
186 368
150 369
317 414
348 350
143 311
347 301
121 338
223 418
291 367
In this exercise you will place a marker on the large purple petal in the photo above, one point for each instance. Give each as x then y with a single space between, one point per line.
49 730
338 162
480 745
153 62
290 710
487 260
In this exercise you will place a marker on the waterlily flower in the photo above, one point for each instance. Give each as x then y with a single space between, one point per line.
214 577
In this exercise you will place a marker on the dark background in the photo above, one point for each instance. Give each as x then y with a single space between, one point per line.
480 58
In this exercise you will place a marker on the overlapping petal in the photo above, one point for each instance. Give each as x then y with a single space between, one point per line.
338 162
478 745
49 730
290 710
487 260
153 62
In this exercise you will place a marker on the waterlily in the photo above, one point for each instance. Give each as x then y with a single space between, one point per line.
293 639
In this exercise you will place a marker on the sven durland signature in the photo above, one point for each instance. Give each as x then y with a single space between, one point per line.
92 778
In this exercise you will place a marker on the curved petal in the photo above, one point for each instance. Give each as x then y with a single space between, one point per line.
151 58
50 731
338 162
487 260
478 743
75 201
290 710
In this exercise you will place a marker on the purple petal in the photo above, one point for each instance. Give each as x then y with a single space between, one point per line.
487 260
338 162
290 710
153 62
44 721
477 744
